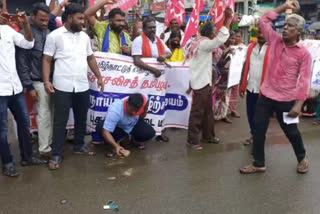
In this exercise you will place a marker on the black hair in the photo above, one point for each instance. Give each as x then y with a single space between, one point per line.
172 20
207 29
40 6
116 11
147 20
174 34
135 100
64 17
72 9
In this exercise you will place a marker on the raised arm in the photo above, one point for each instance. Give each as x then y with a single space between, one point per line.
223 35
56 10
90 13
266 20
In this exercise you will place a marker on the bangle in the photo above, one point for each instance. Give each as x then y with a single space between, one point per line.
46 83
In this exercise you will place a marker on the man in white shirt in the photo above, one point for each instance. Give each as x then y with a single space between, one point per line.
12 97
254 69
200 54
71 49
150 45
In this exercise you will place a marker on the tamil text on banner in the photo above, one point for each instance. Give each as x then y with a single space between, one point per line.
169 105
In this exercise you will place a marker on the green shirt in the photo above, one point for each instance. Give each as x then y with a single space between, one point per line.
100 28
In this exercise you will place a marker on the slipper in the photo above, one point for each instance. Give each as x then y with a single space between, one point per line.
317 122
54 162
162 138
84 151
194 146
250 169
214 140
249 141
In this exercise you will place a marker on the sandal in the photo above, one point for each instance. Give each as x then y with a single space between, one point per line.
214 140
140 146
194 146
162 138
84 151
249 141
54 162
250 169
317 122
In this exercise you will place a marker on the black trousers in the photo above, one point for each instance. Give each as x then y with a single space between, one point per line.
264 110
252 99
141 132
63 101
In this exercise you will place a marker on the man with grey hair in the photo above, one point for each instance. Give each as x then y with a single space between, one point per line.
200 55
285 87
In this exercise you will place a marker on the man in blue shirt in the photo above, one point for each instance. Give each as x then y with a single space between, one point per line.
125 117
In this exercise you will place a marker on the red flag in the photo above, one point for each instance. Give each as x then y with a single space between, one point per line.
217 11
123 4
175 9
193 24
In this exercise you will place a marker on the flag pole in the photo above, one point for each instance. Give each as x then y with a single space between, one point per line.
210 10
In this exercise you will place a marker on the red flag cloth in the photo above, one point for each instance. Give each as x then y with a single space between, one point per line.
193 24
175 9
123 4
217 11
91 2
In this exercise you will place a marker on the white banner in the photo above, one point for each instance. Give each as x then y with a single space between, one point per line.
315 80
169 105
313 47
236 65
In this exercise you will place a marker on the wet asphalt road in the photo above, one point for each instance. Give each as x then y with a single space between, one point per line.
167 178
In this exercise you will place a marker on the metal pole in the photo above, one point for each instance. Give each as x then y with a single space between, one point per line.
246 12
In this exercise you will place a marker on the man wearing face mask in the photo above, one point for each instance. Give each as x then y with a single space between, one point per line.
71 50
174 45
111 37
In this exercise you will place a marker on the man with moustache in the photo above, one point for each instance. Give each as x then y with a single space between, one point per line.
284 88
29 66
151 46
71 50
111 37
254 71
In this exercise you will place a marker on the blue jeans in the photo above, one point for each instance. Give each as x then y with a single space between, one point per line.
18 107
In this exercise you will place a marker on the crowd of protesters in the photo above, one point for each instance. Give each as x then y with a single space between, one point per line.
49 61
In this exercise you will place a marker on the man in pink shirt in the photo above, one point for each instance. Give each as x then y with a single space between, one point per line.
285 87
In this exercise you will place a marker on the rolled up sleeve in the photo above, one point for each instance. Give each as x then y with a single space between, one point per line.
303 84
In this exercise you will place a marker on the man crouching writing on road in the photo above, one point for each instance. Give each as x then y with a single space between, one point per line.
124 118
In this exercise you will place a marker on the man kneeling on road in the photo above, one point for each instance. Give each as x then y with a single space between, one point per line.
124 118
